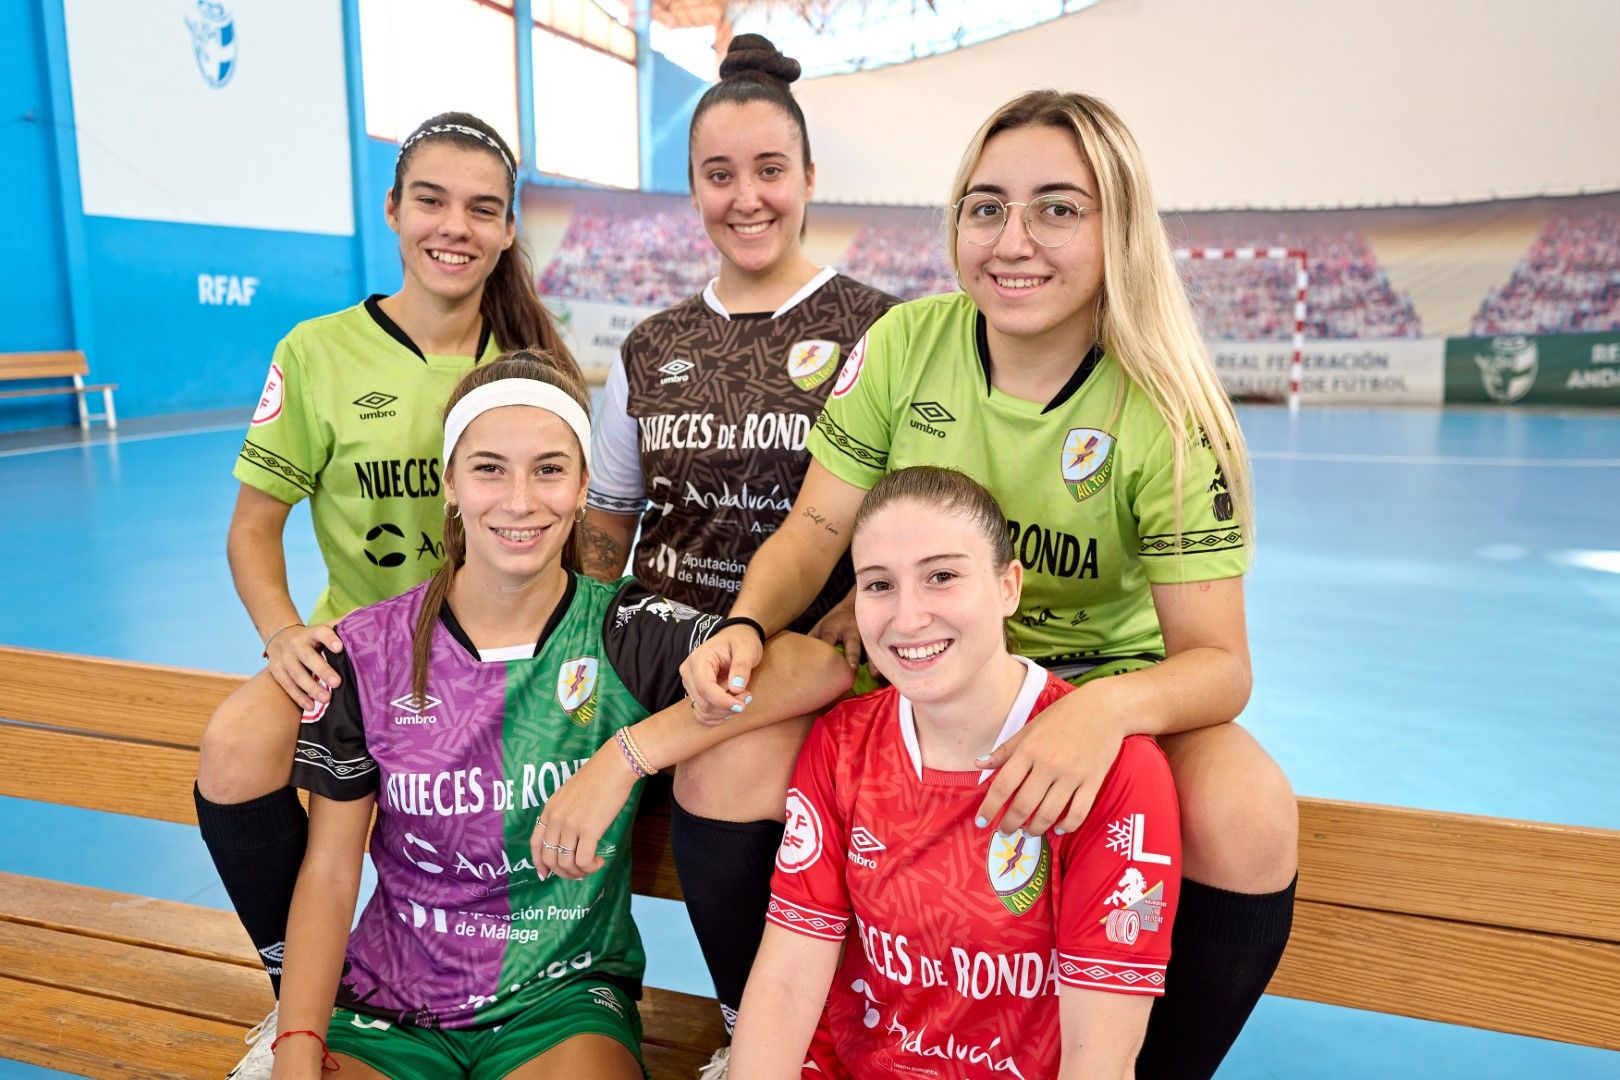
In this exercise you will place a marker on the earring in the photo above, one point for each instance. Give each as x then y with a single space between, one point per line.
452 510
579 515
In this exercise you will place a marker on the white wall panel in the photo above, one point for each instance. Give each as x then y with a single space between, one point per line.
1267 103
268 148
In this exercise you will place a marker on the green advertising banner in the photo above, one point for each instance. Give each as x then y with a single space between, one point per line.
1534 369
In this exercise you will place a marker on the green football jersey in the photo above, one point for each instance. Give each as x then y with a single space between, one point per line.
1086 482
351 418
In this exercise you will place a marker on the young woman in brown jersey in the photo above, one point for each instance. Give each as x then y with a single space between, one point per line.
700 442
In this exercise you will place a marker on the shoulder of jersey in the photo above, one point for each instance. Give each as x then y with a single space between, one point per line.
346 320
396 609
877 298
852 719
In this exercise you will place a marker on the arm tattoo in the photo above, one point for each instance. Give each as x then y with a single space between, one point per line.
820 519
603 557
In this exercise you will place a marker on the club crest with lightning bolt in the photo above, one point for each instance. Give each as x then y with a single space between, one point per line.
576 689
1019 865
1088 461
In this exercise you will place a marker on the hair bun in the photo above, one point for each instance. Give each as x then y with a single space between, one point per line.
753 55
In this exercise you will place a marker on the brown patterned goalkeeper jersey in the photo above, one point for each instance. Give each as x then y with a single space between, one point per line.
702 431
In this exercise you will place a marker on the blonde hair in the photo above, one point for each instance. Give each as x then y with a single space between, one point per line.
1145 323
537 364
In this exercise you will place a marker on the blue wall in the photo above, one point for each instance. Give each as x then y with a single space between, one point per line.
675 93
168 351
34 312
142 322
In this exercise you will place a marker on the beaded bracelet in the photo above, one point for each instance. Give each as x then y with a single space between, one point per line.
632 754
328 1062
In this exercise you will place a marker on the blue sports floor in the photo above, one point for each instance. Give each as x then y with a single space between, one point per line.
1434 614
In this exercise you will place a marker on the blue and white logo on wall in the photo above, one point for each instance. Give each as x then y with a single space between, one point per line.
213 41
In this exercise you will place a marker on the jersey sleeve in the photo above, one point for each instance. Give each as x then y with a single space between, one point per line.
1119 879
617 485
331 759
646 637
287 446
1211 543
808 892
852 435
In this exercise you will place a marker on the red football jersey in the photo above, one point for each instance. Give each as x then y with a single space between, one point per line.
961 936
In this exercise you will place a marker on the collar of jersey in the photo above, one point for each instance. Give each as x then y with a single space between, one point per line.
981 341
826 274
397 332
1017 716
447 619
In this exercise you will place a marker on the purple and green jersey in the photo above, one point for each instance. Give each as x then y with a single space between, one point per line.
461 932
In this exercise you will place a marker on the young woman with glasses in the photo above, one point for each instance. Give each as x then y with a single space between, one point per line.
1068 377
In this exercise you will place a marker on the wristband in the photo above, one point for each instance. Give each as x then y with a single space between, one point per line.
266 654
739 620
632 754
328 1062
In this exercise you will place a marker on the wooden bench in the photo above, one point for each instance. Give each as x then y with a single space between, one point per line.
1485 922
58 365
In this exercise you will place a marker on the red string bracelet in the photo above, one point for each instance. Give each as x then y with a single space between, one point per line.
328 1062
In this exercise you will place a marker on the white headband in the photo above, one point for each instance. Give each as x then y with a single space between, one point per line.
503 392
459 129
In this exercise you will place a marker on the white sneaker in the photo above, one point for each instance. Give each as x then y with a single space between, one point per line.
718 1066
258 1062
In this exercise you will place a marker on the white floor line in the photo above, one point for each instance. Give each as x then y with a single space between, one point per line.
1430 459
123 440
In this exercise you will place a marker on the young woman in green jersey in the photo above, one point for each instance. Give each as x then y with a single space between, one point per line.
1069 377
511 670
349 420
752 357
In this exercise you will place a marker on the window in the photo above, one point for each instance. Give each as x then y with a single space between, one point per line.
423 57
587 124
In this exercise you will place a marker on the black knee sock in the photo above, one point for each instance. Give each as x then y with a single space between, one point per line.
1224 949
725 871
257 848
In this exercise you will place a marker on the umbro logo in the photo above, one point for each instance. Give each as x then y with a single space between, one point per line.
675 371
862 846
930 413
417 710
374 406
862 840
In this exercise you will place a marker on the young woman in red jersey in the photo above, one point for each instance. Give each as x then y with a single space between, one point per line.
940 948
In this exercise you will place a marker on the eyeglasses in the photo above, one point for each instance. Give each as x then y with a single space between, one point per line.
1052 220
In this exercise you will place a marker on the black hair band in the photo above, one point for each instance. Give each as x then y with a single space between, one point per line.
739 620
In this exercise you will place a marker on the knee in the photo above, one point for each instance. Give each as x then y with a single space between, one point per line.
246 749
1239 816
744 778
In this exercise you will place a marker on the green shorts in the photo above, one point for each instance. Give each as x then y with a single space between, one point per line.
405 1052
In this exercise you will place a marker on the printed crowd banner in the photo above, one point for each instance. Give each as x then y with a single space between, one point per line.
595 330
1534 369
1395 371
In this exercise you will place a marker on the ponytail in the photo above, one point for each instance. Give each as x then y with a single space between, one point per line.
516 315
